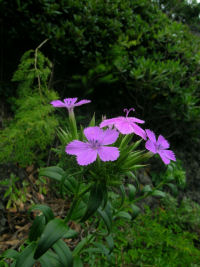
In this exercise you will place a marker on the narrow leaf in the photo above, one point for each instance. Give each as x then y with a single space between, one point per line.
77 262
63 253
123 214
95 200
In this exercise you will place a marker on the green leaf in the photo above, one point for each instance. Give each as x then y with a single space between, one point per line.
135 210
81 244
37 228
146 189
78 211
54 230
63 253
106 216
70 234
71 184
123 214
47 211
92 122
110 242
173 188
50 259
10 254
158 193
132 191
77 262
123 194
95 200
53 172
25 258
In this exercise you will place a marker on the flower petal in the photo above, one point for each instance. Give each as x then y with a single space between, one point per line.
124 127
162 142
170 154
108 153
76 147
139 131
70 101
94 133
150 146
87 157
151 135
82 102
110 122
133 119
167 155
58 104
109 137
164 156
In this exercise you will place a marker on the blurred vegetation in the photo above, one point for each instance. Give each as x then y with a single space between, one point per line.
119 54
186 11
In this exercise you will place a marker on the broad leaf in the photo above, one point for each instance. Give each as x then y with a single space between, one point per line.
26 258
47 211
158 193
53 231
132 191
37 228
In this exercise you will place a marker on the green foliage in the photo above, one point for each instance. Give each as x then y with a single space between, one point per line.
27 136
161 238
174 177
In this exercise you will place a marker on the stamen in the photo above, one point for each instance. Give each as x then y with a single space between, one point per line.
128 110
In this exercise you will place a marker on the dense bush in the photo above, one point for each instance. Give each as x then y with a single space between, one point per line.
122 53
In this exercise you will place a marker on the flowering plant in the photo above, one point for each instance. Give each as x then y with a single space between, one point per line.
96 162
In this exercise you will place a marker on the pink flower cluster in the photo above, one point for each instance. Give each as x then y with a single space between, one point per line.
98 139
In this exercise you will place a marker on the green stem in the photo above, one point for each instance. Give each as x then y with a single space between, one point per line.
73 126
76 200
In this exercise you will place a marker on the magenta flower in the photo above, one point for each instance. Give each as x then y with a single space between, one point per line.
87 152
69 103
126 125
159 147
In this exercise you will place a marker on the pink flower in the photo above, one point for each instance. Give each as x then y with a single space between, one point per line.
87 152
159 147
69 103
126 125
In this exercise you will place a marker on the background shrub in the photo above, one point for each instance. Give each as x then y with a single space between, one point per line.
121 53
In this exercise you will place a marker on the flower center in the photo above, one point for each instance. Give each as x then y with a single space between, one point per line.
94 144
128 110
158 147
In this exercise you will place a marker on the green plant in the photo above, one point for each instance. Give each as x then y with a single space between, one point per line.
32 130
14 193
174 175
95 183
